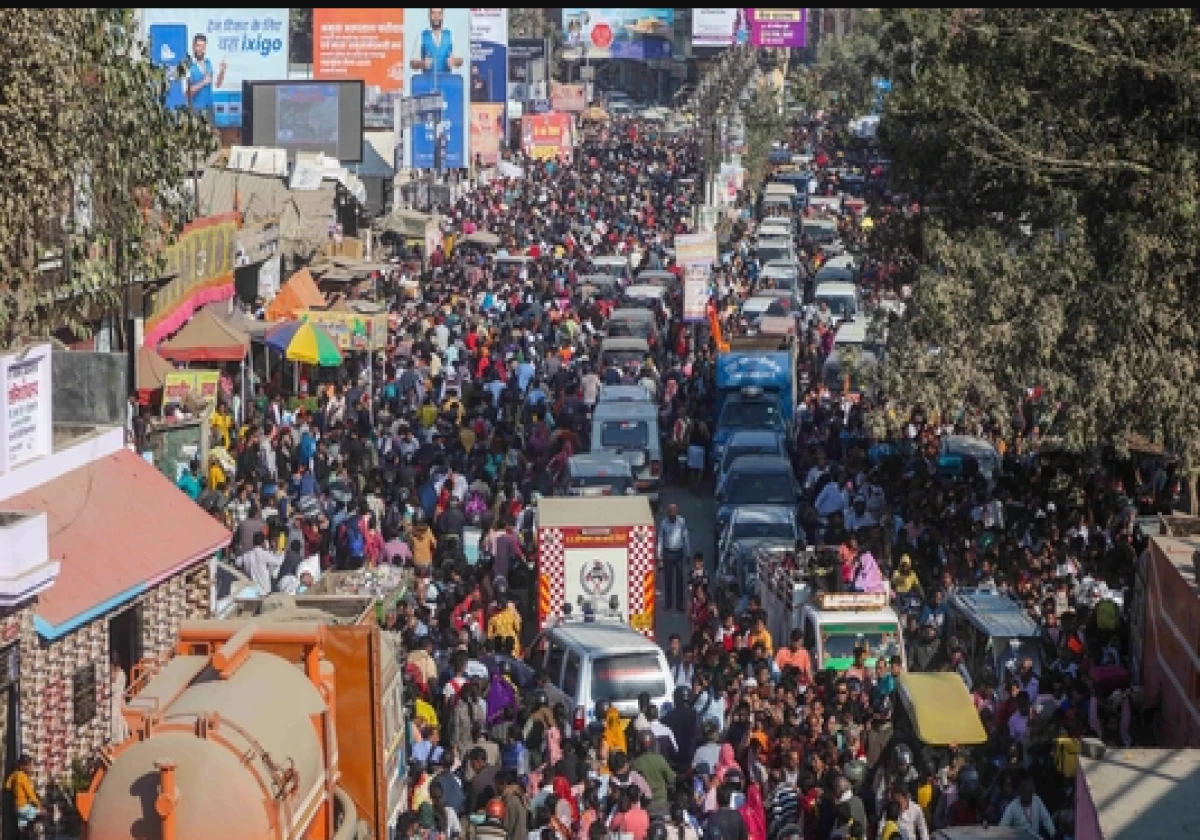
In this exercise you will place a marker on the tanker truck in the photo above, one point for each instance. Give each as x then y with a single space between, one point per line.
286 724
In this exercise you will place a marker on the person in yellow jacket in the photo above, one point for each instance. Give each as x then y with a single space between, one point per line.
20 787
506 624
904 579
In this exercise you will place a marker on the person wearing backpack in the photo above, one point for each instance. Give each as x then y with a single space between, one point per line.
352 542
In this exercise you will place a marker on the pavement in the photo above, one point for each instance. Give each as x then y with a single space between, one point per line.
698 508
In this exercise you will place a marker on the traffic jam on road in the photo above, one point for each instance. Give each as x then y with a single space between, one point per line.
637 544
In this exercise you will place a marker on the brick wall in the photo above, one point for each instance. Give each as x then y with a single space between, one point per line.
48 670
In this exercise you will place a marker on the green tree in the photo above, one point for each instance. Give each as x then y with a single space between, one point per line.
1056 154
765 125
842 78
96 163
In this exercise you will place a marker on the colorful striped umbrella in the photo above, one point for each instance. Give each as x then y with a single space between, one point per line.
300 341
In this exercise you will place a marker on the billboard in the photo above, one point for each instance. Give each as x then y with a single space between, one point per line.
366 44
306 116
639 34
220 49
437 60
525 57
720 27
489 82
778 27
569 98
548 136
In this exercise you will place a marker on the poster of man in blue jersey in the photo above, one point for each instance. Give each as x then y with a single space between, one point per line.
440 41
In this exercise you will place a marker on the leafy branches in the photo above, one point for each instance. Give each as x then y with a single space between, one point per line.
764 125
92 160
1077 127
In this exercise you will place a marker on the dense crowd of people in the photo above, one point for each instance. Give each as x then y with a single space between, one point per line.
485 390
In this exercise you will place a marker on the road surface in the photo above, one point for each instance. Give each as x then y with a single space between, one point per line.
699 509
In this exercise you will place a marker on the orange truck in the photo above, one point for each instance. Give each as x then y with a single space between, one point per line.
597 555
287 724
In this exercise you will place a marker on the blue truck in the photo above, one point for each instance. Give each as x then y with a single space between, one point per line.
756 388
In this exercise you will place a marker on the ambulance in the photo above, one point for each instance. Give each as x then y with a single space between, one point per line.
596 556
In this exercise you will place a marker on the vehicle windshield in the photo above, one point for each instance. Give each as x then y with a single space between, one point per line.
628 328
624 676
767 255
760 488
751 414
819 233
839 641
609 270
623 358
842 306
763 531
624 434
733 452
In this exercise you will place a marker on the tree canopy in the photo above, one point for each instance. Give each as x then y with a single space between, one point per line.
1054 153
842 76
93 163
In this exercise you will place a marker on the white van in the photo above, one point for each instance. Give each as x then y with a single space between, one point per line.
843 298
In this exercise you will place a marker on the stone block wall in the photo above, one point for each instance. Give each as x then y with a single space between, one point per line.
48 670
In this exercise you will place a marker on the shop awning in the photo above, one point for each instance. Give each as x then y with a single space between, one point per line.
407 222
206 338
152 369
299 292
119 528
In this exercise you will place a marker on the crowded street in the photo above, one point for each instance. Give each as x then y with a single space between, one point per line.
680 453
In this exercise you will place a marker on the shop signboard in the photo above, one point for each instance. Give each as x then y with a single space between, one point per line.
219 49
695 293
720 27
571 99
639 34
26 426
489 83
778 27
548 136
181 385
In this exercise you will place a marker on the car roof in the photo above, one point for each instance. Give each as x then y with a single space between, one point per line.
834 274
645 290
598 279
610 260
602 637
624 393
762 464
763 513
851 332
839 288
625 343
624 408
632 314
754 437
594 462
655 272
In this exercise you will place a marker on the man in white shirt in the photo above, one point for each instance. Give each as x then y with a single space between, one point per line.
261 565
831 499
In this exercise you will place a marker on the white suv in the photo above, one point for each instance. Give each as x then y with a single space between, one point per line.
601 659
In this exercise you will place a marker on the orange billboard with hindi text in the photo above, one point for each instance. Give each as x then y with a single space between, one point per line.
365 44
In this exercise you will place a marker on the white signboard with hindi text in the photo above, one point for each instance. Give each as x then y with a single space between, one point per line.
695 293
26 430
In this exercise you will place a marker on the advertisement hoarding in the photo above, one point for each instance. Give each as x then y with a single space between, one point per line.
640 34
548 136
778 27
221 48
695 294
26 426
437 60
352 331
366 44
569 98
525 57
489 82
720 27
181 385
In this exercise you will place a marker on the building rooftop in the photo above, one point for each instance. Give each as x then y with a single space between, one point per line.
1143 794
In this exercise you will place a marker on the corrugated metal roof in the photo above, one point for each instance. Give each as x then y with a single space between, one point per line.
119 527
304 217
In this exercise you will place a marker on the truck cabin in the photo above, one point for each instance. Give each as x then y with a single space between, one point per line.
995 631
